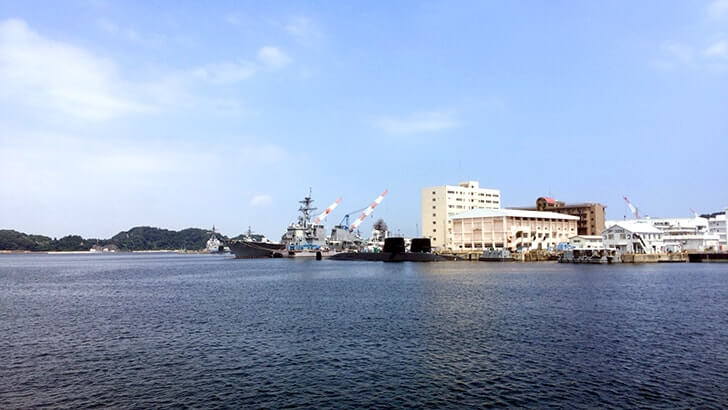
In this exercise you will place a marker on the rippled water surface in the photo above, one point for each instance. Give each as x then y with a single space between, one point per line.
208 331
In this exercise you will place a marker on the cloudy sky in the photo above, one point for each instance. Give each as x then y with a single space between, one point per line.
179 114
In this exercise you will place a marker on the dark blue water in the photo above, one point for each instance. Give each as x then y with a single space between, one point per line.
209 331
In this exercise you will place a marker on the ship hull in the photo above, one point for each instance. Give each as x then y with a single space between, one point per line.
252 250
387 257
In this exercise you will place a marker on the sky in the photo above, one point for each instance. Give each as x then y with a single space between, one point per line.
116 114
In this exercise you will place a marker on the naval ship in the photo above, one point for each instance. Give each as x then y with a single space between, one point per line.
253 245
305 237
302 237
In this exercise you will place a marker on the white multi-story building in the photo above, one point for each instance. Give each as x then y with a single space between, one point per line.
683 234
717 226
634 237
512 229
439 203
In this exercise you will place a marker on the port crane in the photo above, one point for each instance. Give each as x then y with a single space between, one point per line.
367 211
632 208
345 220
326 212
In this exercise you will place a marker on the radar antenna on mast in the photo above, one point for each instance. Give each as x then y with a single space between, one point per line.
368 211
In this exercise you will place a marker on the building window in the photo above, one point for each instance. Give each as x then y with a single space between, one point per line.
433 222
433 199
434 214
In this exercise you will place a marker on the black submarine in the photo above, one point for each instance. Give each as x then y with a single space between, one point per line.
395 251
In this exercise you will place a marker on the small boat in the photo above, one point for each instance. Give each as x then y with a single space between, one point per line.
496 255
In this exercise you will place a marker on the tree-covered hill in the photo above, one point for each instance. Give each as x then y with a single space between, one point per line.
148 238
11 240
136 239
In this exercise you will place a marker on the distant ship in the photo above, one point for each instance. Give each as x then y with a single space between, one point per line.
214 244
253 245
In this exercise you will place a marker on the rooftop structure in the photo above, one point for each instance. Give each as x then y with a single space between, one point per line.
439 203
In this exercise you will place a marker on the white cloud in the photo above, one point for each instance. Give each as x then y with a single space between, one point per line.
718 9
226 73
65 165
261 200
273 57
60 183
717 49
128 33
303 30
424 122
53 75
678 51
66 81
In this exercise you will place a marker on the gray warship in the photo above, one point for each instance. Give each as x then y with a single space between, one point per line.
303 236
252 246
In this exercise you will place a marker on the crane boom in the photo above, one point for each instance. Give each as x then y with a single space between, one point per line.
326 212
632 208
368 211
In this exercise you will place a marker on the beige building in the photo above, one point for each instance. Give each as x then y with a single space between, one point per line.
439 203
591 214
511 229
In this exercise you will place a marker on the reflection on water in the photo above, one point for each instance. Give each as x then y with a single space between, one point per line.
168 330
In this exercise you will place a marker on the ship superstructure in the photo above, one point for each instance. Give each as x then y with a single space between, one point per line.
304 235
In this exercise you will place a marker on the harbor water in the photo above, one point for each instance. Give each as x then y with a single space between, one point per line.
169 330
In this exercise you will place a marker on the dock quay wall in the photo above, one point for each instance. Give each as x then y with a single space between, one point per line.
653 257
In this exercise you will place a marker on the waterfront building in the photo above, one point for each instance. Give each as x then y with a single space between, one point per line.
511 229
586 242
683 234
439 203
591 214
636 236
717 226
686 234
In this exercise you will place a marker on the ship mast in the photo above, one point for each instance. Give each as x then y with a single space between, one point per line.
306 209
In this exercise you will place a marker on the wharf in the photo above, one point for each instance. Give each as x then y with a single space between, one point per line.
654 257
708 257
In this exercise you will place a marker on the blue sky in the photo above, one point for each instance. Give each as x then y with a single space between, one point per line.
178 114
